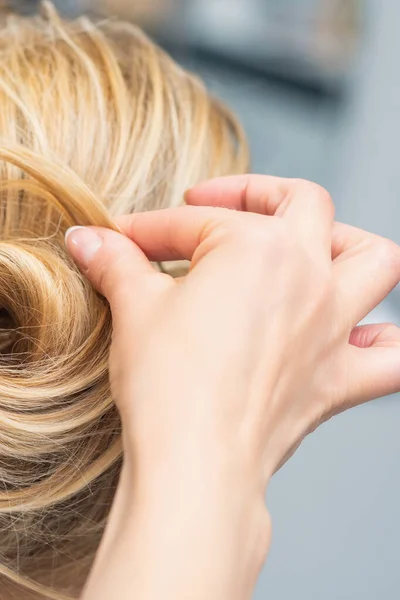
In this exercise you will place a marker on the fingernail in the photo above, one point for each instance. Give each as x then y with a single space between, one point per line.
185 193
82 243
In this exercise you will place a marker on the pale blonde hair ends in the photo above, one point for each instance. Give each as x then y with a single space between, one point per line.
95 121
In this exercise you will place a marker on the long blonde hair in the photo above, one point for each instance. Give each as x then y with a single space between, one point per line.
95 121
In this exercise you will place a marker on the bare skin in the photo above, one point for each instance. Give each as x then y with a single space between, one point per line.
221 374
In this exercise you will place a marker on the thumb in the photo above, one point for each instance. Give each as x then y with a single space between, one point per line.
115 265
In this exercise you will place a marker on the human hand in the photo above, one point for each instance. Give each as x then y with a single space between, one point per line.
227 369
353 268
263 195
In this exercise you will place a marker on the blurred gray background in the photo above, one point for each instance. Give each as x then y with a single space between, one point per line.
317 85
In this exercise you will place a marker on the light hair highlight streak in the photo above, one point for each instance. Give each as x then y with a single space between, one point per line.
95 121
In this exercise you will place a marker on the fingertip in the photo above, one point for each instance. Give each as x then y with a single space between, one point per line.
124 223
186 195
83 243
379 334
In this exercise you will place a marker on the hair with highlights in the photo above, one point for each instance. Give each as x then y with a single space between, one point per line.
95 121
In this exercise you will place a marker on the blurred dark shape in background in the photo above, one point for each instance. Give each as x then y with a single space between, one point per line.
307 42
283 65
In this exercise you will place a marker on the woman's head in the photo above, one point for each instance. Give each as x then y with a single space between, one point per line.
95 121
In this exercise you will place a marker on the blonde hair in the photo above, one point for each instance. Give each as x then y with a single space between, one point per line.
95 121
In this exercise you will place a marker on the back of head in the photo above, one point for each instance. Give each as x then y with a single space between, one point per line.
95 121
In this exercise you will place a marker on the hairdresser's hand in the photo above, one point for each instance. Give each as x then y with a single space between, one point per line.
220 375
266 195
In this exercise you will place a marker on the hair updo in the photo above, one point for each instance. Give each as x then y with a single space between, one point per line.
95 121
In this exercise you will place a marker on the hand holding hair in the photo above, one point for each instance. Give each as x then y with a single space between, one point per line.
220 375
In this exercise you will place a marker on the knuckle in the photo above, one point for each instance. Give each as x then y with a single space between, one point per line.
388 252
221 223
392 331
326 199
315 190
256 235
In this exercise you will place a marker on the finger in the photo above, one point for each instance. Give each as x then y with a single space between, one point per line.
116 267
366 269
367 265
348 240
231 192
377 335
306 204
375 371
175 233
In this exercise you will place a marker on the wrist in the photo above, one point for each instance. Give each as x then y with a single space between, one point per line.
183 519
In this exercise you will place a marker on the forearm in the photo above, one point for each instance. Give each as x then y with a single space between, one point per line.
182 537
